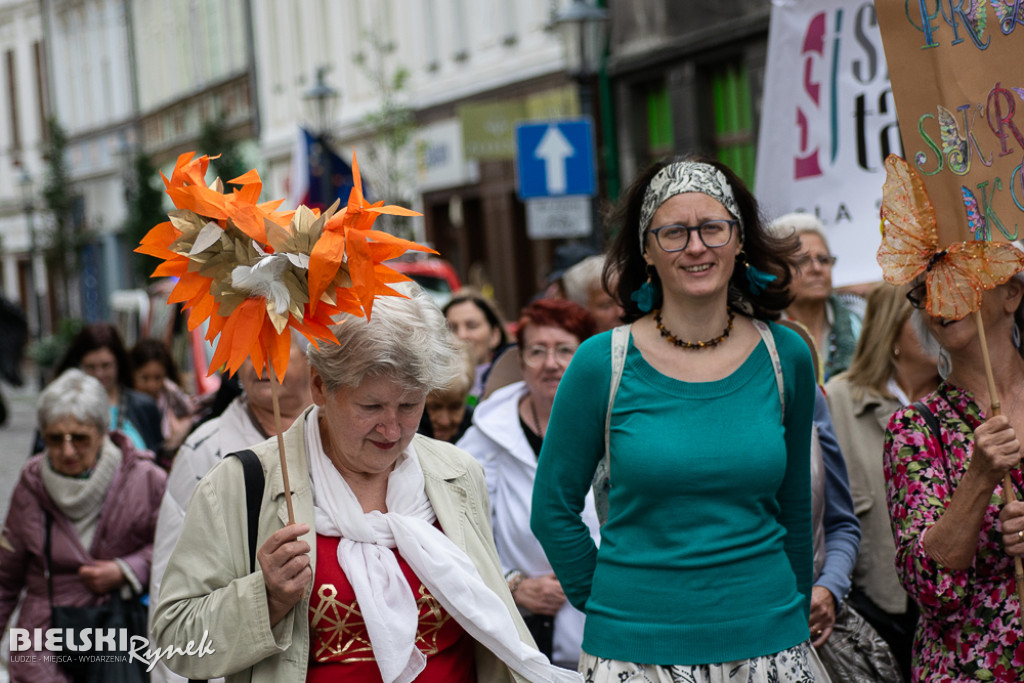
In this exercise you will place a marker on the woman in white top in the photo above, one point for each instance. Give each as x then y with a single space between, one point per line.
506 437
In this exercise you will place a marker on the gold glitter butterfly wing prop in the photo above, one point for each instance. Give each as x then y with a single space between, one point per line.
958 280
955 276
909 235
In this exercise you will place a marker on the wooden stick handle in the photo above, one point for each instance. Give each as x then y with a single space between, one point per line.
995 408
1018 565
993 393
274 389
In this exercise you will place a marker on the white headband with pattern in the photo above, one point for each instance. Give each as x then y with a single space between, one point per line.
686 176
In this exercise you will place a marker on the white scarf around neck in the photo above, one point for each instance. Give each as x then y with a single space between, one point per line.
384 596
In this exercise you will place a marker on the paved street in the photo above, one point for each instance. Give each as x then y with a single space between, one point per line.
16 437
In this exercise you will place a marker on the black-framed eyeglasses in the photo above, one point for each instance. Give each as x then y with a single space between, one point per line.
715 233
918 296
823 260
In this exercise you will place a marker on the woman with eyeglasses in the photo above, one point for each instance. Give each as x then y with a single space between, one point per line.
699 416
506 436
833 322
93 499
944 463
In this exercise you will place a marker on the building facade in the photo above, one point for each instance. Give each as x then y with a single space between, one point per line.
23 79
472 70
125 77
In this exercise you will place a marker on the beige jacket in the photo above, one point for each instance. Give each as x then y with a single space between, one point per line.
860 419
208 590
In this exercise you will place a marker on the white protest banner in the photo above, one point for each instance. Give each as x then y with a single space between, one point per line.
827 123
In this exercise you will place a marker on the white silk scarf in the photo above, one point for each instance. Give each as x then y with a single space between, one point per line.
385 599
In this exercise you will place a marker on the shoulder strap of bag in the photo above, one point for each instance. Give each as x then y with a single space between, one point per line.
769 341
602 476
46 551
929 419
252 470
254 483
620 344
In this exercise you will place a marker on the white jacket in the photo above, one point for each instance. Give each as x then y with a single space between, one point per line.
496 439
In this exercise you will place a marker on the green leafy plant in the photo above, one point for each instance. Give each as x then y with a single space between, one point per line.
391 125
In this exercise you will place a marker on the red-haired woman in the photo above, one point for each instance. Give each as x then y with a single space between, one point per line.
506 436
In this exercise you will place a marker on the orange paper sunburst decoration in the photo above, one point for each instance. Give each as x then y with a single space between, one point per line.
250 269
350 233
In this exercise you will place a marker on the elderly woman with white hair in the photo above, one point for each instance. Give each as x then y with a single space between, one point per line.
79 530
583 285
833 324
389 571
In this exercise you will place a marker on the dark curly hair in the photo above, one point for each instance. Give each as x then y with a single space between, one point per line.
764 250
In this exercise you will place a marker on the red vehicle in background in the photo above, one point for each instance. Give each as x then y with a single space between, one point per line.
435 275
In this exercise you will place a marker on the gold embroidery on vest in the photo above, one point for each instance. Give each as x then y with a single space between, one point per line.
432 619
340 631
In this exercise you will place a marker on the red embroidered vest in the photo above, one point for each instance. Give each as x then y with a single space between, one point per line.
340 647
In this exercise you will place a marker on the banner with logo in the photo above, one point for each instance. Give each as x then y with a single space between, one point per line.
827 124
958 80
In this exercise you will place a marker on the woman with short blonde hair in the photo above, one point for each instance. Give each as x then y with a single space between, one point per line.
889 370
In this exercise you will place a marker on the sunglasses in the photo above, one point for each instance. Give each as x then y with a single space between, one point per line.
58 439
918 296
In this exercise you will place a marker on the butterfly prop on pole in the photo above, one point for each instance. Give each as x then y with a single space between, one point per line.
255 272
955 275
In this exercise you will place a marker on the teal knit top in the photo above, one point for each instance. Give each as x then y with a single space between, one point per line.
706 555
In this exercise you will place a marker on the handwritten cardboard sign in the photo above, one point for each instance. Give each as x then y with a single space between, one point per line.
958 81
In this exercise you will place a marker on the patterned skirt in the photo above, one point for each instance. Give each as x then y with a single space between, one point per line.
798 664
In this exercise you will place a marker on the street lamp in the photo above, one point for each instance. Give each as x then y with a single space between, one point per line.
584 29
323 99
28 205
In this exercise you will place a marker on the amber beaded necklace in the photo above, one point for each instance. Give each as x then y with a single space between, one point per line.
672 339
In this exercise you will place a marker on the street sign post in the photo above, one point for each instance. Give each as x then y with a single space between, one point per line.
555 158
558 217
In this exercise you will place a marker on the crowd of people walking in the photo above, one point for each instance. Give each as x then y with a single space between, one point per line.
690 459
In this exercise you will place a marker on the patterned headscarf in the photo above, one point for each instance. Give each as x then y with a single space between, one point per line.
686 176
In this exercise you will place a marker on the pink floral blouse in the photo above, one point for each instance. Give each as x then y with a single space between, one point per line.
969 628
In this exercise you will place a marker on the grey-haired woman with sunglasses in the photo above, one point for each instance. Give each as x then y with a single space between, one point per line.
95 498
705 561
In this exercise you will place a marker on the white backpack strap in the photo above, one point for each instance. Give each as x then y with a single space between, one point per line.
602 476
769 342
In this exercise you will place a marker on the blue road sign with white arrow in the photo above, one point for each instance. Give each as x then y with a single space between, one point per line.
555 158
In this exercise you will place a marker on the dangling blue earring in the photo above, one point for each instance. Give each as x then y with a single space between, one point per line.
644 296
758 280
